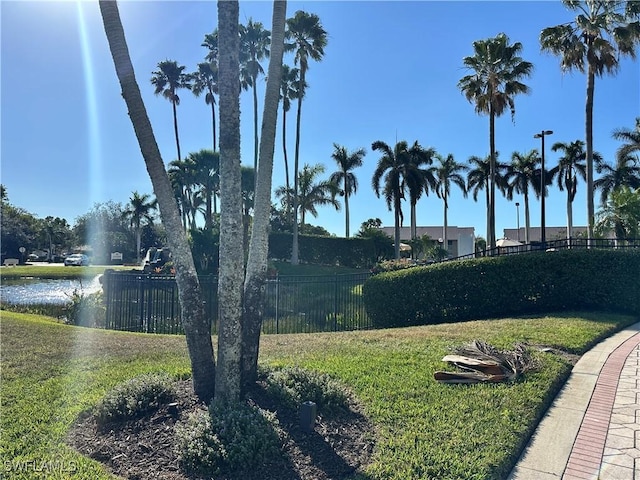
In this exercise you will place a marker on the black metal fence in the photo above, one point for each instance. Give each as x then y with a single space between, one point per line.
551 245
293 304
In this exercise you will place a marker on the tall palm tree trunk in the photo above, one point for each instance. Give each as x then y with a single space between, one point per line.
213 121
255 125
396 231
196 325
488 202
259 244
294 248
175 127
589 153
492 179
284 153
527 217
346 208
569 218
445 240
230 279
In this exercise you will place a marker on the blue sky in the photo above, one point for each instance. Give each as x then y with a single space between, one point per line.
390 72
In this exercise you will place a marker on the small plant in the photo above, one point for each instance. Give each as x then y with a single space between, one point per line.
87 310
225 439
135 398
294 385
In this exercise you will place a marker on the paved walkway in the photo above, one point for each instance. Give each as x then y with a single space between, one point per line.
592 429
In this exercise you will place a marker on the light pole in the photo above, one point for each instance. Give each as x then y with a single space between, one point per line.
518 218
543 192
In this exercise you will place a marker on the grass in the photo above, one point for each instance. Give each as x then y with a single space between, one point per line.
55 272
51 373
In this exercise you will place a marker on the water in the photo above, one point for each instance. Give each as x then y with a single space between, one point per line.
25 291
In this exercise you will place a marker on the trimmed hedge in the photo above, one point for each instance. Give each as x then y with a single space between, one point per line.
347 252
503 286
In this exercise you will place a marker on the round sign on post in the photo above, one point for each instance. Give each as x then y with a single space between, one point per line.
22 249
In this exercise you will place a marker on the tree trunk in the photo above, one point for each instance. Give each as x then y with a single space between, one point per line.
396 231
286 161
413 222
197 327
175 127
230 278
294 248
569 216
255 126
445 240
527 218
492 179
259 245
213 121
488 201
346 208
589 153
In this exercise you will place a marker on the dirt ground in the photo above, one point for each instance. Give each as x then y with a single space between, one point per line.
144 448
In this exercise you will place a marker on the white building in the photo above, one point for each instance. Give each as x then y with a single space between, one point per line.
461 240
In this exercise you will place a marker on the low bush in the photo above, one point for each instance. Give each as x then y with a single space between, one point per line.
293 385
86 310
135 398
225 439
502 286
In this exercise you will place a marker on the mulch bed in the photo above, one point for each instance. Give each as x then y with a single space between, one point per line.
144 448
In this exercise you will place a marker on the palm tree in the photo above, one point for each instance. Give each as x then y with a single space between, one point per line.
392 165
314 193
498 71
521 174
448 172
620 214
139 211
168 79
631 137
254 46
602 32
417 179
626 172
196 325
183 180
344 177
478 178
289 85
307 39
205 79
570 166
255 276
206 177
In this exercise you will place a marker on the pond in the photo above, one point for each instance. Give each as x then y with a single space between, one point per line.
25 291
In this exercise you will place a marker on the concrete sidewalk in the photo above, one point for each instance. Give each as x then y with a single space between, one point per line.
592 429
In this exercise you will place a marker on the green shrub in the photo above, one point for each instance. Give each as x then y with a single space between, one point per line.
294 385
226 439
501 286
87 310
135 398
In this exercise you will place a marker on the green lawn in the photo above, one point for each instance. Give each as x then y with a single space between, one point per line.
51 373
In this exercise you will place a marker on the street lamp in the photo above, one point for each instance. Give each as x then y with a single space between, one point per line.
518 218
543 192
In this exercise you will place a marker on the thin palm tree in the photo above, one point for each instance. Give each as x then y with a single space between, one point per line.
344 177
167 80
254 47
390 170
206 178
315 193
522 173
418 178
205 79
196 325
602 32
448 172
478 179
626 172
139 211
289 85
307 38
571 165
498 71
